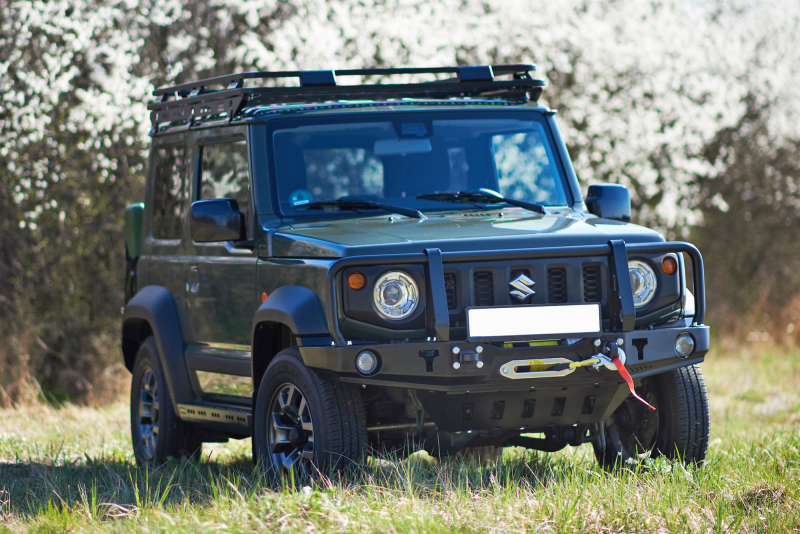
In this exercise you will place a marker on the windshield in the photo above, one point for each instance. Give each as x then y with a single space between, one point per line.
394 158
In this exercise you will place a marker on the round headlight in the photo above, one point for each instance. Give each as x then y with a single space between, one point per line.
396 295
643 282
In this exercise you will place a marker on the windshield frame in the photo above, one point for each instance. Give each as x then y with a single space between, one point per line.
532 115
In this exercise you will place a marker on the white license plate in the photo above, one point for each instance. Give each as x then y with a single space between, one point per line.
521 323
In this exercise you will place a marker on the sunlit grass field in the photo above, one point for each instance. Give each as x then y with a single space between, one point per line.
70 469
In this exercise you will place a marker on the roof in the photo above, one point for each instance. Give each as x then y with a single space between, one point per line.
225 98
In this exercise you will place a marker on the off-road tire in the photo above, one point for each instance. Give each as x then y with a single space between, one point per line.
174 437
336 411
683 419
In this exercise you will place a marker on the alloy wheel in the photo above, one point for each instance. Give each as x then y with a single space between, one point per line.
148 413
290 430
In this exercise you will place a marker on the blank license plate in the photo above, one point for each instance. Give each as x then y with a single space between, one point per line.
521 323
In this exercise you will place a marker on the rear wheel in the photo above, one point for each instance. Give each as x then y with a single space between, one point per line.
678 429
304 422
156 431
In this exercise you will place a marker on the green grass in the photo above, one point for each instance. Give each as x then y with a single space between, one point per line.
70 469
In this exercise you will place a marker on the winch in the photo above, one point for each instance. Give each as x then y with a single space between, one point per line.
610 355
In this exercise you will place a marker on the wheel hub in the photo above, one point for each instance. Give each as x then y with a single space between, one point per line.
297 437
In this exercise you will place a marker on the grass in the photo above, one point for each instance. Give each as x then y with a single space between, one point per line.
70 469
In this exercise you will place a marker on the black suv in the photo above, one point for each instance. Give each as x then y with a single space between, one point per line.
337 269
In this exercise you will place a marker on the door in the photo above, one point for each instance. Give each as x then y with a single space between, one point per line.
220 277
167 202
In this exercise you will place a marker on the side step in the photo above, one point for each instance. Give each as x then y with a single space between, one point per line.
217 416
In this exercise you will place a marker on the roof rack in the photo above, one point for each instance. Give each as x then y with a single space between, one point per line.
190 102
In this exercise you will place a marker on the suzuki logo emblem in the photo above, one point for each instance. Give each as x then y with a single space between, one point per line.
522 287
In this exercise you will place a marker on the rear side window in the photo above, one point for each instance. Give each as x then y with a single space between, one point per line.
225 173
170 192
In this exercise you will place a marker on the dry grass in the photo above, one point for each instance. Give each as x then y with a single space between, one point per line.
70 469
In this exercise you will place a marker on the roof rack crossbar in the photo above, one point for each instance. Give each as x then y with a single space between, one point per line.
240 77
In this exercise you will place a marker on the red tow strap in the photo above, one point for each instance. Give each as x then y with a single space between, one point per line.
624 372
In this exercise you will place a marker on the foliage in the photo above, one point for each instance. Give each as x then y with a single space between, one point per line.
691 104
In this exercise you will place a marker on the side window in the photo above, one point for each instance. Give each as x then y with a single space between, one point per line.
169 192
225 173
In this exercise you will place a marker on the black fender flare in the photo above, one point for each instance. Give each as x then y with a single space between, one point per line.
152 311
296 308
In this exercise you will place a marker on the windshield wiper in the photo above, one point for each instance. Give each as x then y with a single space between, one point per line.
365 205
482 195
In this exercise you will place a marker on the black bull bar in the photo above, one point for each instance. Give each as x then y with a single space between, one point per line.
437 321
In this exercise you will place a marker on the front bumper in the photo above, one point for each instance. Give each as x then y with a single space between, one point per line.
483 398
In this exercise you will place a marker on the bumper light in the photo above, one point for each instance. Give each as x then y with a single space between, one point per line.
684 345
366 362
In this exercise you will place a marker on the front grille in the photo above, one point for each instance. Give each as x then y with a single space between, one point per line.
484 288
592 284
557 285
450 290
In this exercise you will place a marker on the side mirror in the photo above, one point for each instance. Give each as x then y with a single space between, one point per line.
609 201
218 219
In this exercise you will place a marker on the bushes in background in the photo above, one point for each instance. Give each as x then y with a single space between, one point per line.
691 105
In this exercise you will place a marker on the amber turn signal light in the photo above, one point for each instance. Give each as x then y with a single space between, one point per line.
356 280
669 265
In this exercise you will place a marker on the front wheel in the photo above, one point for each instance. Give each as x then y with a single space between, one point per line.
304 422
678 429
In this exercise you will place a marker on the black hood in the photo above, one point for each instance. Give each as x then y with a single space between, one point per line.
452 232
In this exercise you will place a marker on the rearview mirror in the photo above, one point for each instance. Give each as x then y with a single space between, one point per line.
396 147
609 201
217 219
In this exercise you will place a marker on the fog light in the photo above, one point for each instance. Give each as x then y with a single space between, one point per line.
366 362
684 345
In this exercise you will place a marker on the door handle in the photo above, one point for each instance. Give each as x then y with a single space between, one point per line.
193 281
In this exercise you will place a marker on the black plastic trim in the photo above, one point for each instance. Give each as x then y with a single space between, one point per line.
297 307
156 306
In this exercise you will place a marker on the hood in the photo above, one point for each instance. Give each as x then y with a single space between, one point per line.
462 231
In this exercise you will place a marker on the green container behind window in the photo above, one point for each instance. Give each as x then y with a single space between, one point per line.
134 230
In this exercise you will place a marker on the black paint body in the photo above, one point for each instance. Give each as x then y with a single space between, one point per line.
226 295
